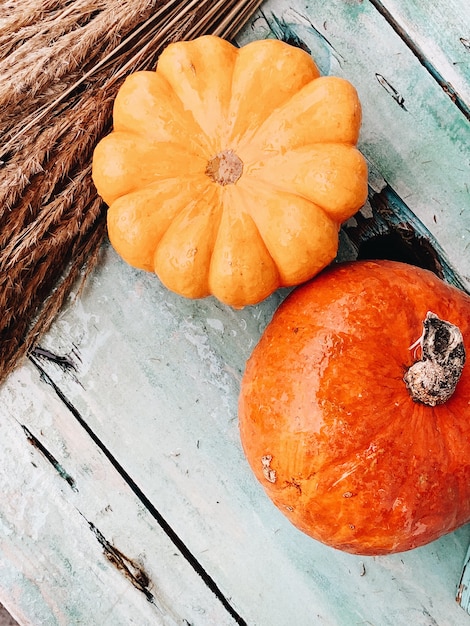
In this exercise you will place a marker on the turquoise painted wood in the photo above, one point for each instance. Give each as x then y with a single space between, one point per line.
440 36
77 544
126 498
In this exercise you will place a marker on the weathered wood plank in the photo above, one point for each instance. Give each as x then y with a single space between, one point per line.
412 133
385 228
77 546
439 34
157 382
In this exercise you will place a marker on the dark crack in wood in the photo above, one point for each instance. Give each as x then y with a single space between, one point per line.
410 42
34 441
134 573
148 504
66 361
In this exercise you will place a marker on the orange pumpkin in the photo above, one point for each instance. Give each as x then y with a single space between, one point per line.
229 171
352 414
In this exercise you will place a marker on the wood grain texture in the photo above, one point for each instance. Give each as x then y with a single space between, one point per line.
440 38
76 544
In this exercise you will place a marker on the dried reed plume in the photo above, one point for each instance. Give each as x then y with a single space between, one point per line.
60 67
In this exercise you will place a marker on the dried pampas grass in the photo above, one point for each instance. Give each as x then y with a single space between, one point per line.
61 64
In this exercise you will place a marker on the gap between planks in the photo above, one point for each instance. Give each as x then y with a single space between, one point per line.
420 55
109 550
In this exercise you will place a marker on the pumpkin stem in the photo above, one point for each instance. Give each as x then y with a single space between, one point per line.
432 380
225 168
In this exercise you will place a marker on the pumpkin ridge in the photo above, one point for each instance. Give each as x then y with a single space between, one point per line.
178 245
344 125
253 182
285 190
196 149
135 228
150 83
244 205
189 179
257 81
297 251
213 58
245 193
356 193
241 289
124 162
202 193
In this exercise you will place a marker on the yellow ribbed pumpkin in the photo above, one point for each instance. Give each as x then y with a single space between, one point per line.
230 170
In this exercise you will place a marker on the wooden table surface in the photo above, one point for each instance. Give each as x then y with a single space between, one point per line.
126 498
